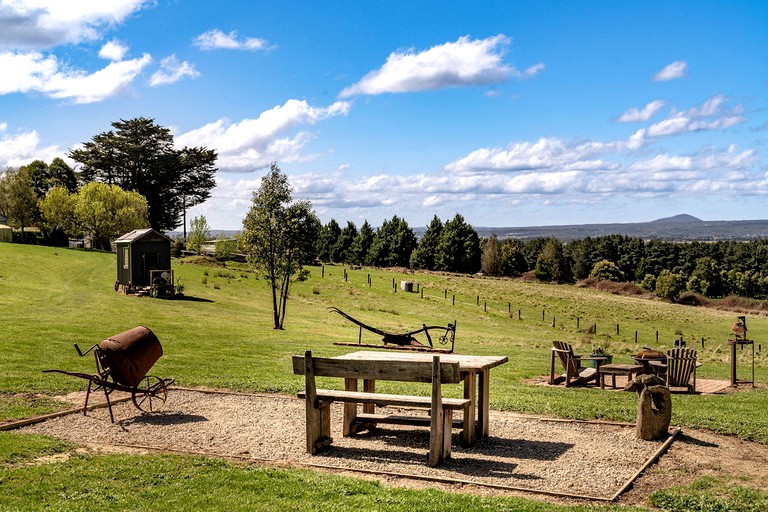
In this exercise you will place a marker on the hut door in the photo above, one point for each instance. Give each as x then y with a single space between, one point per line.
151 260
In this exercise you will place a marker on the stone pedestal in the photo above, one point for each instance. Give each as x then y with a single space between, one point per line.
654 407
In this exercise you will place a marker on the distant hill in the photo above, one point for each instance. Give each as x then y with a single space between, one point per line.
684 228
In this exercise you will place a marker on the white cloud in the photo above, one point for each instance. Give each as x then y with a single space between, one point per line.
113 50
171 71
710 116
671 71
34 72
531 71
25 72
252 144
634 115
217 40
81 87
546 153
37 24
464 62
21 148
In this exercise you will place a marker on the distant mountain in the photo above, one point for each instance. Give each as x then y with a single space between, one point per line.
677 219
683 228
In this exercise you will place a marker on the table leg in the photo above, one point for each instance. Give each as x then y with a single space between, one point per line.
469 434
350 409
483 402
369 386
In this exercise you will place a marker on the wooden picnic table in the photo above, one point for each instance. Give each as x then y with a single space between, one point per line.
475 373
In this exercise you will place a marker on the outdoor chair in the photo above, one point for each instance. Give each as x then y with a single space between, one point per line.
575 374
681 365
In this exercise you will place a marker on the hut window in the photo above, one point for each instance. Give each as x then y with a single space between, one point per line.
126 261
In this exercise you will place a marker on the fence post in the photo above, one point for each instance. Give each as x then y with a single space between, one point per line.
617 329
322 273
485 307
635 337
453 301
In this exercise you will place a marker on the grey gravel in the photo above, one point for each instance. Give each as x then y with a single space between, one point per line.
522 452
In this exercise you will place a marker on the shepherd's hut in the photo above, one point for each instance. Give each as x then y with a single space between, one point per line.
139 253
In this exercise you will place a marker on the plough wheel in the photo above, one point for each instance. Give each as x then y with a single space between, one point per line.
150 394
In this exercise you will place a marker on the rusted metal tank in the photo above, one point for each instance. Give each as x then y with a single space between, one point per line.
130 354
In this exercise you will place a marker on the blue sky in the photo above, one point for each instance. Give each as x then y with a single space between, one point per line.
512 113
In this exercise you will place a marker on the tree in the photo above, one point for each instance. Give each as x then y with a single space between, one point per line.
18 201
341 250
199 233
361 244
37 173
139 156
669 285
705 278
105 211
513 259
423 257
57 212
326 240
393 244
277 234
551 265
459 247
491 260
61 175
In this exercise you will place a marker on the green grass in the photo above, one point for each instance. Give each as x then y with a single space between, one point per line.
711 495
221 335
167 482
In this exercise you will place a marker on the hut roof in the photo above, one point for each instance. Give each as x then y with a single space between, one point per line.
139 234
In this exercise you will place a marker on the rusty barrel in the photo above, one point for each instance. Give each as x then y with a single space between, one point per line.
130 354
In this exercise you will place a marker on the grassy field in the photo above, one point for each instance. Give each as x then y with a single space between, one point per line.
221 336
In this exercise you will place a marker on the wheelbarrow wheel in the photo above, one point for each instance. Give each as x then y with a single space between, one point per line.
150 394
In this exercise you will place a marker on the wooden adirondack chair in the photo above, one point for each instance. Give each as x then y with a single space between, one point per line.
574 374
681 364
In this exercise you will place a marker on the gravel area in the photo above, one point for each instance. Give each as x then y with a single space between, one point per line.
522 452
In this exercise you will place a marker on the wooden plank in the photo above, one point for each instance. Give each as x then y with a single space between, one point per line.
406 371
466 362
384 399
395 419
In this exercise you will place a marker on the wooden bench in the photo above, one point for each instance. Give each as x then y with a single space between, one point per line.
318 401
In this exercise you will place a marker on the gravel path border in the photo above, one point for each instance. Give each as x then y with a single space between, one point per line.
524 453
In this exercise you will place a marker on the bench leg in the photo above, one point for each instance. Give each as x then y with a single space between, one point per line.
447 434
319 427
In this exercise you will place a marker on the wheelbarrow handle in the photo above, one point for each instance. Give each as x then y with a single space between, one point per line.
81 353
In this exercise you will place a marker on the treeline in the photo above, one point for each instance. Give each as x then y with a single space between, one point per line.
711 269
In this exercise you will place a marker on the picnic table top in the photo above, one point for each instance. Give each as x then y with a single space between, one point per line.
467 363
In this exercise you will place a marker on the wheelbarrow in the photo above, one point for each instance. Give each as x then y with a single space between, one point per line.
122 364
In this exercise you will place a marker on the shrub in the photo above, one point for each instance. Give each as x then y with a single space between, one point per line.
605 270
